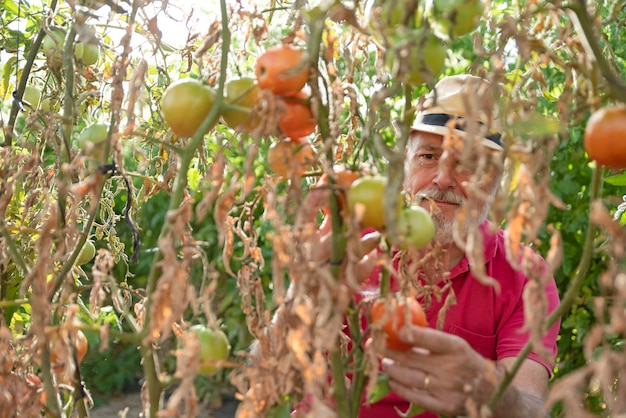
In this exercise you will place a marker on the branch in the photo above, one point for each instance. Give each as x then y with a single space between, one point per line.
570 295
583 22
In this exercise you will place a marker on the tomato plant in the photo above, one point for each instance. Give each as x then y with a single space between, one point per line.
290 156
243 92
283 70
214 347
185 104
366 200
297 120
394 313
415 228
603 137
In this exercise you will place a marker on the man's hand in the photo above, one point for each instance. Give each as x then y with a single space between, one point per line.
443 374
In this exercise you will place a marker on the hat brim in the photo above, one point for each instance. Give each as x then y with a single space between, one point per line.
444 130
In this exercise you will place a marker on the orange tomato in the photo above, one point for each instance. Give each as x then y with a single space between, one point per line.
290 156
604 137
395 312
81 345
283 70
297 120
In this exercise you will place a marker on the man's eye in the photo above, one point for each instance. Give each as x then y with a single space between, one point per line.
428 157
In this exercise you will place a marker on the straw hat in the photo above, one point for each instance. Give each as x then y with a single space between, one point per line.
464 104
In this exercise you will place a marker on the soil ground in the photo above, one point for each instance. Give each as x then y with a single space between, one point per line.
129 406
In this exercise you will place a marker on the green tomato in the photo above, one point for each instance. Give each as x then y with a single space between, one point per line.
214 347
455 18
94 134
89 53
52 46
87 253
418 57
382 16
185 104
366 198
415 228
243 92
32 96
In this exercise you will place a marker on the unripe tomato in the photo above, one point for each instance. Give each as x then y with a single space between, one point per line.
605 137
243 92
32 96
382 16
214 347
396 312
455 18
366 198
52 46
87 53
297 120
290 156
415 228
283 70
185 104
419 58
96 133
87 253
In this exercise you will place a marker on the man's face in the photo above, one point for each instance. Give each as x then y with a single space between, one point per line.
441 181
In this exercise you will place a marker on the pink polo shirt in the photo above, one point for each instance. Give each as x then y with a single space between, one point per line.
489 321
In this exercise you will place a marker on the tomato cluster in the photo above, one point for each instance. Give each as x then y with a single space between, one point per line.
366 197
414 34
281 74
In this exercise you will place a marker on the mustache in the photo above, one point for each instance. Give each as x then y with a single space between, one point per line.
437 194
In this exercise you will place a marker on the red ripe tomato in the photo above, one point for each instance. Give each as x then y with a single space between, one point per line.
396 312
297 121
283 70
604 137
290 156
185 104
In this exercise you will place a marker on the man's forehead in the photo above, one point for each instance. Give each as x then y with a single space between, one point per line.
427 141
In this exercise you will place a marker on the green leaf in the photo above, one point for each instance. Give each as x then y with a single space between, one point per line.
381 389
617 180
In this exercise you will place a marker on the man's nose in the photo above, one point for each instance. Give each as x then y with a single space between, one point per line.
446 175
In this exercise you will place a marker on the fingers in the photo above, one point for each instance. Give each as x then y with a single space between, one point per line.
433 340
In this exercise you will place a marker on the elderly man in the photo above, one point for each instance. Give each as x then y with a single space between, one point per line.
483 331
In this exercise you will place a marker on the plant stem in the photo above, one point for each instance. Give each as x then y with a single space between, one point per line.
155 386
570 296
583 22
